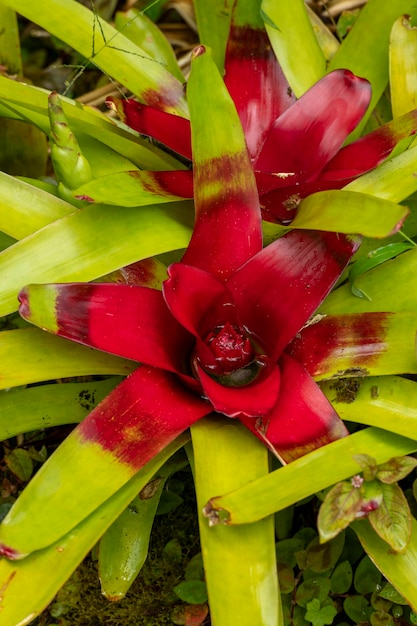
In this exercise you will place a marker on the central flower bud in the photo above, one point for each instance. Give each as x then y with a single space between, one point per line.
231 348
229 356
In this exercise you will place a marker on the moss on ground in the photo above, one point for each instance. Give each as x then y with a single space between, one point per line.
151 600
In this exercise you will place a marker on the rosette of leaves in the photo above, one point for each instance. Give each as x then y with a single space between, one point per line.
103 237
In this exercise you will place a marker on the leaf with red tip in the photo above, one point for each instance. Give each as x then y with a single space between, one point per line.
149 272
359 344
226 198
121 319
302 420
137 188
254 77
171 130
147 411
312 131
369 151
278 289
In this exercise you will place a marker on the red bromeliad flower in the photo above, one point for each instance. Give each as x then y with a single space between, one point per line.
296 147
215 337
218 336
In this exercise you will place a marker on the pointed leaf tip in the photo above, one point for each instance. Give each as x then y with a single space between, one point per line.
10 553
198 51
23 298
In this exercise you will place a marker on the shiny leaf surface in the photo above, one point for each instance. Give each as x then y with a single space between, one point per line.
92 252
100 446
306 475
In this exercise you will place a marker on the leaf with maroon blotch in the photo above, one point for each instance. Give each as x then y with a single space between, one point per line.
137 188
141 416
225 192
358 344
396 469
338 510
392 519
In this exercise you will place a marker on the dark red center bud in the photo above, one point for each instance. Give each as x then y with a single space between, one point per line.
231 348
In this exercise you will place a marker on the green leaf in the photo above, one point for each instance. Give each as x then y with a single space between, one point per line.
341 579
339 508
357 608
372 496
392 519
373 259
140 29
192 591
396 469
321 557
365 50
25 208
398 568
172 551
403 75
346 212
367 464
108 146
320 615
289 30
91 252
367 577
388 592
317 587
326 39
385 401
213 21
126 189
286 578
306 476
219 446
381 618
19 463
195 568
111 51
389 341
30 355
10 53
123 549
44 406
388 287
286 549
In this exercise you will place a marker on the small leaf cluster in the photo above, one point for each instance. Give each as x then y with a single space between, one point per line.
334 582
374 494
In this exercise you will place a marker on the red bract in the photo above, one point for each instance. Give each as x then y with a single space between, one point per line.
215 338
296 147
224 340
218 330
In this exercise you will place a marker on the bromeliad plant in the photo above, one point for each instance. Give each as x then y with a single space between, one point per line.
226 336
